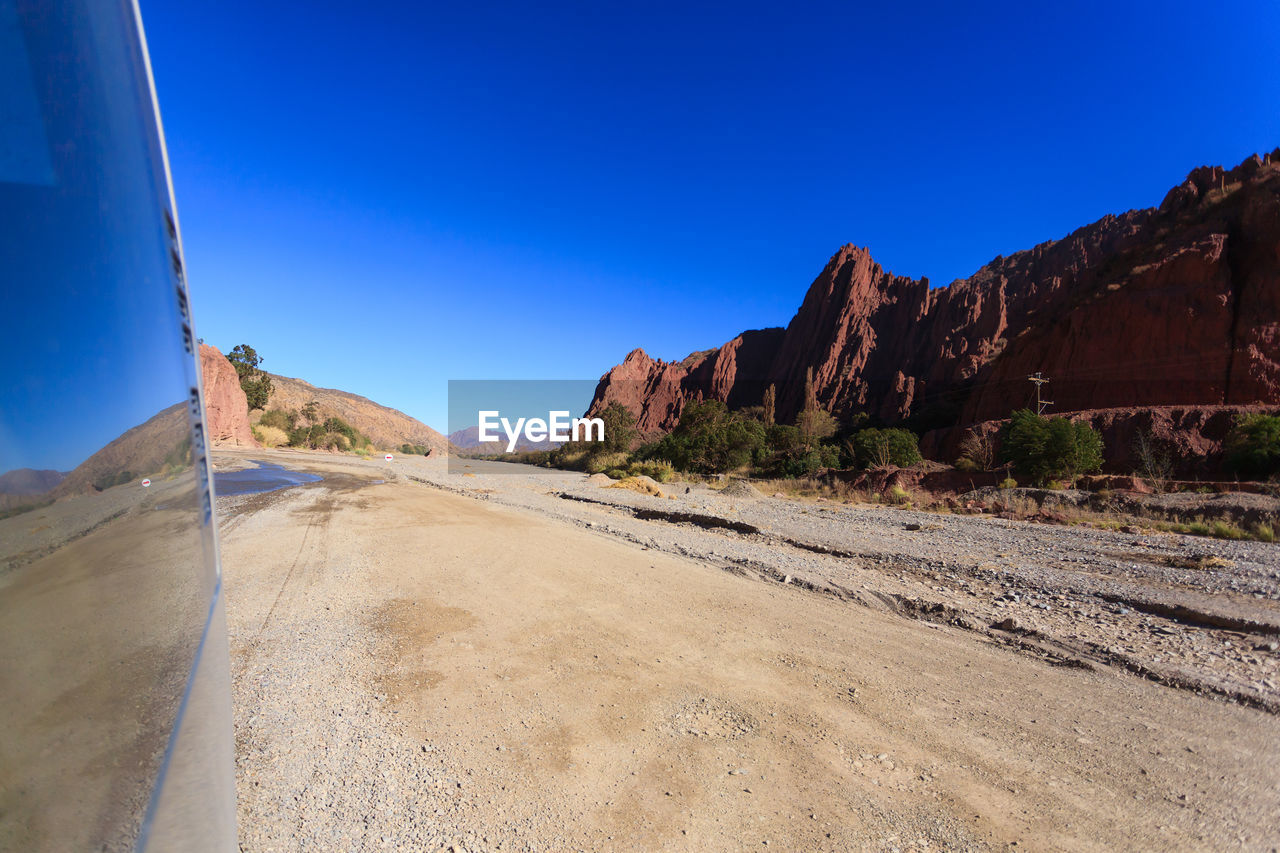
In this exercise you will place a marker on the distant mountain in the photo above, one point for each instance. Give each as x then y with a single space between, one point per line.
386 427
468 441
29 481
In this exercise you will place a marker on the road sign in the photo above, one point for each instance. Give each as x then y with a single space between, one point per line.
388 457
146 483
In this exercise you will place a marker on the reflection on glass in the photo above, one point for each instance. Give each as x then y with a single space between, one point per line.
113 678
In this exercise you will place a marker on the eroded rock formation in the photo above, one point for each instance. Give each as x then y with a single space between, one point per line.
1173 306
226 409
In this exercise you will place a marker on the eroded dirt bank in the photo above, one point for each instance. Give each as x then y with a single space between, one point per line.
415 669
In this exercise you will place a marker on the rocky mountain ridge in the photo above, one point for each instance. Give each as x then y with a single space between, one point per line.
1172 306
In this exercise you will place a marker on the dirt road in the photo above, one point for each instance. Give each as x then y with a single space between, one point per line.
415 669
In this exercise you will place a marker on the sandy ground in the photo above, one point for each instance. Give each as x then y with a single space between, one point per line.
415 669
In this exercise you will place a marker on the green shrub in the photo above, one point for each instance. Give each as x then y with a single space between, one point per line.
1008 483
333 434
1227 530
658 469
709 439
812 461
897 495
1253 445
571 456
1263 532
414 450
1046 449
872 448
619 428
615 473
279 419
599 463
1199 528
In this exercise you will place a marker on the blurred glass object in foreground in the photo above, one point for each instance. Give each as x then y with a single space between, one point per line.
114 686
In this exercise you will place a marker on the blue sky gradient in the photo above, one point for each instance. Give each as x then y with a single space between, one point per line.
380 199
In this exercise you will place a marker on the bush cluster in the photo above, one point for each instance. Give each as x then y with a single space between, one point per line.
709 439
1253 446
872 448
415 450
1050 448
595 457
306 430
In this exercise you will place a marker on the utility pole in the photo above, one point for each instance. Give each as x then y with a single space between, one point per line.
1039 380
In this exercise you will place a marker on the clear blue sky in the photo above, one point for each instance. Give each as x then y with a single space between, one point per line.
382 197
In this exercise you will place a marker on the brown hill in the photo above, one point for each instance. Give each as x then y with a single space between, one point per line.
144 450
386 427
1174 306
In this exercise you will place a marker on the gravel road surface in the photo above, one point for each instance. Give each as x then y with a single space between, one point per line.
517 659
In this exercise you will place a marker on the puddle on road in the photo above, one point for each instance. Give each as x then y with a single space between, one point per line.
267 477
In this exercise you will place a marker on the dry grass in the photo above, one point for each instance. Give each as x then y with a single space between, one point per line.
636 484
810 488
1026 509
270 436
813 488
606 461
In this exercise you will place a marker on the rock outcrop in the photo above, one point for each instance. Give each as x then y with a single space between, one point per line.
226 408
1174 306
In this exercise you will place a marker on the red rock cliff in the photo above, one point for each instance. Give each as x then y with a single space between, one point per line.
1171 306
225 407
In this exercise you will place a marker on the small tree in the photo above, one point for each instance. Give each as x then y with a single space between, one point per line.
1253 445
872 448
619 428
1051 449
814 422
770 405
710 440
1155 462
816 425
255 382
